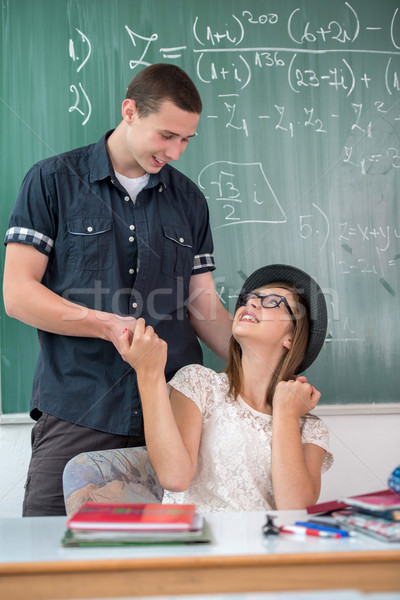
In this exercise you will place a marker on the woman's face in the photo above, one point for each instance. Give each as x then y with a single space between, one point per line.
265 319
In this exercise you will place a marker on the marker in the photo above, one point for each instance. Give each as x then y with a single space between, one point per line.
318 527
299 529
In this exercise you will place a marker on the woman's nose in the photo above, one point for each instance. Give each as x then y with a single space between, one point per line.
254 302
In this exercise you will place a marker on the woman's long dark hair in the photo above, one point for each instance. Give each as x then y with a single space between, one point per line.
289 363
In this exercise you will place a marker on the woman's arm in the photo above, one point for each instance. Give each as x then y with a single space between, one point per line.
172 425
296 467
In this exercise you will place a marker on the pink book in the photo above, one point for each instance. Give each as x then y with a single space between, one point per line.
383 500
376 501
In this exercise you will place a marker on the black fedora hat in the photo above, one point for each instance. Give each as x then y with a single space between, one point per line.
310 292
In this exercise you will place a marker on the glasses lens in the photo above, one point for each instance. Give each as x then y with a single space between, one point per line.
271 301
244 298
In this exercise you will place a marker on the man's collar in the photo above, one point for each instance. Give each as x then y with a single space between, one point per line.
101 165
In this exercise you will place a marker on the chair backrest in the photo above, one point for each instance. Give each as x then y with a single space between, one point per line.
122 475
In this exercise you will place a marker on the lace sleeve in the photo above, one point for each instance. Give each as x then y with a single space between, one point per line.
314 431
193 382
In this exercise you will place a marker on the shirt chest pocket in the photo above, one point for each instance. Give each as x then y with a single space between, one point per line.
177 260
90 242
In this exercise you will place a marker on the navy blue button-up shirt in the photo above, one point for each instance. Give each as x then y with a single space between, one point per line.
110 254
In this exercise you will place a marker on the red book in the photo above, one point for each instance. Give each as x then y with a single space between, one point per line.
325 507
133 517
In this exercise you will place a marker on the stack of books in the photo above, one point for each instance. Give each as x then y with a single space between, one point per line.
110 524
376 514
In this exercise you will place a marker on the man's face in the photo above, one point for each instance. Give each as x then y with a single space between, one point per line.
160 137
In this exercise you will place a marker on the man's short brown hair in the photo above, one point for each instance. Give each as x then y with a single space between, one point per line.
160 82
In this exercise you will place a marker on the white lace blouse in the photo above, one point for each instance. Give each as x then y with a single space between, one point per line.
234 466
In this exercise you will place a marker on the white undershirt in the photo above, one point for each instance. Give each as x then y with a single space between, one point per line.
133 185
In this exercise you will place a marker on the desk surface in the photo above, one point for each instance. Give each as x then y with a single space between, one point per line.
238 559
37 539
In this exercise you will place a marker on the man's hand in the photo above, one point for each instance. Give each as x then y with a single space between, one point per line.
113 325
144 350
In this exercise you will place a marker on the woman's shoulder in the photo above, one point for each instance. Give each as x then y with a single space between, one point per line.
201 372
199 375
202 385
310 422
315 431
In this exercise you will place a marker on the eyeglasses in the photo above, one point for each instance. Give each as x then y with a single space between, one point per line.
268 301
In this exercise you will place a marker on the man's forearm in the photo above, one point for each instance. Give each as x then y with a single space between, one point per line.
36 305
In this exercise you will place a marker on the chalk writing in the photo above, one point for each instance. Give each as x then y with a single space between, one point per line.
300 33
81 101
86 57
223 183
135 39
313 226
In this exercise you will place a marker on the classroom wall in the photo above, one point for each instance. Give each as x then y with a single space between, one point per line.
366 449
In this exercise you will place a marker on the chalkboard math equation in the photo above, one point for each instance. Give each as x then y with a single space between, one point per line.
243 61
299 30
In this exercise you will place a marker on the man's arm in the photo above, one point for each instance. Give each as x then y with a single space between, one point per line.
208 317
28 300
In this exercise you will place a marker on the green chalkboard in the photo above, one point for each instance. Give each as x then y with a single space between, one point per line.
297 152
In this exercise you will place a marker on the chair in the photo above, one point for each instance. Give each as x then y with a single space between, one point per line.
122 475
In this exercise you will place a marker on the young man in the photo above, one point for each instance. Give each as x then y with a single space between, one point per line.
98 237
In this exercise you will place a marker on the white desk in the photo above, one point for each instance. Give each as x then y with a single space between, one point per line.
240 559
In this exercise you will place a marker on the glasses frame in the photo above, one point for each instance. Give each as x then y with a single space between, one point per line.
250 295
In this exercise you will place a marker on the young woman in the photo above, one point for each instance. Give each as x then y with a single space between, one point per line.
242 439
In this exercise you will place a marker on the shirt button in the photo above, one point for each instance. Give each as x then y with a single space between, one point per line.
131 227
127 198
134 304
89 229
181 240
131 239
131 271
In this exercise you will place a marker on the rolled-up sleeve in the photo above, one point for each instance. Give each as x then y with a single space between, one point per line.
31 221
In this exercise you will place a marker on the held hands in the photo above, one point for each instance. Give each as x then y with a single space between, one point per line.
295 397
144 350
113 324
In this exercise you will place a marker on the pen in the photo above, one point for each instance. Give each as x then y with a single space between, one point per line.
299 529
317 527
